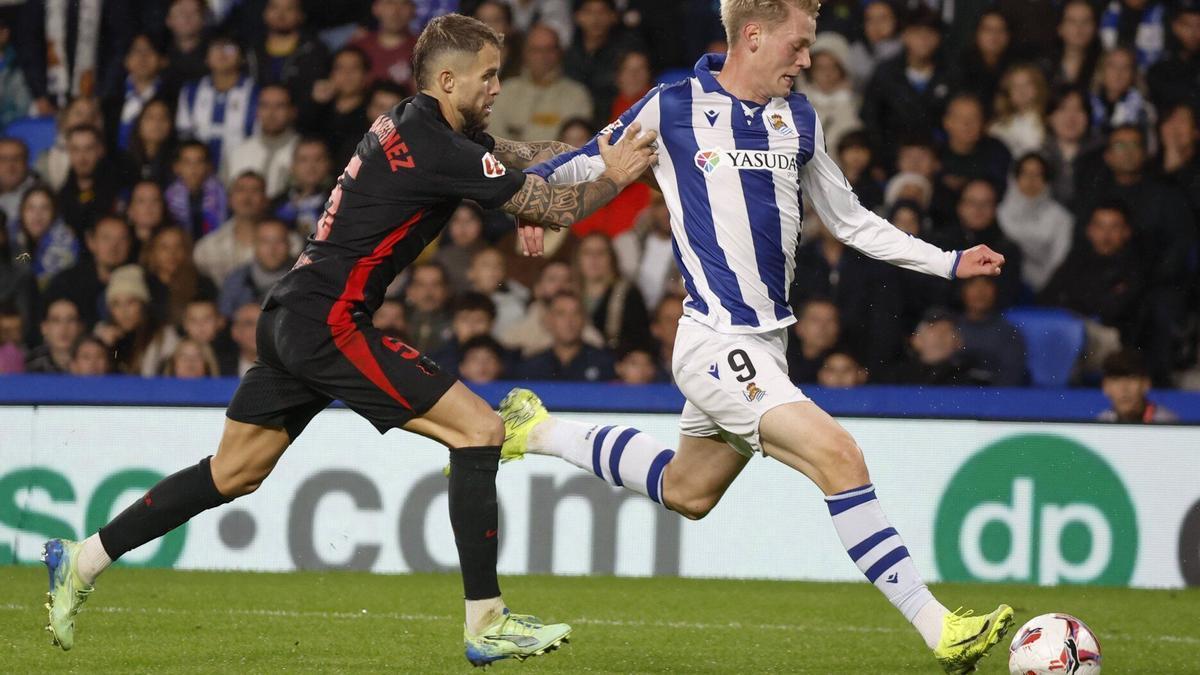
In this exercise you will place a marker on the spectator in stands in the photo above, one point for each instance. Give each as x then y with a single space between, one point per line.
1136 25
50 244
218 109
633 79
1176 78
474 316
427 297
144 63
90 357
636 366
879 41
1032 26
288 54
269 150
1069 145
576 132
171 274
339 104
917 154
829 89
203 323
937 357
482 360
232 244
61 328
967 154
303 203
1041 227
151 144
108 242
1074 59
461 240
191 360
147 212
389 47
814 335
1118 98
140 342
867 293
488 276
906 186
54 163
644 252
907 92
855 157
531 335
17 99
553 14
569 358
498 15
991 344
977 225
12 350
908 216
663 328
15 179
1103 279
1020 120
390 318
196 199
272 260
593 56
1126 385
1179 160
92 185
533 105
615 305
188 48
984 61
841 370
243 330
382 97
62 61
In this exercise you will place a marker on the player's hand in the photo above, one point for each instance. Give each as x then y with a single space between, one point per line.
531 236
979 261
626 161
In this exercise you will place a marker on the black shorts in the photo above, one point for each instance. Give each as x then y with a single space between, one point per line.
303 365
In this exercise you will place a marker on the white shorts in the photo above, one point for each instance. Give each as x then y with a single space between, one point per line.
730 382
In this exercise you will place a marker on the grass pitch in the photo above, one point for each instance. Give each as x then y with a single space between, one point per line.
142 621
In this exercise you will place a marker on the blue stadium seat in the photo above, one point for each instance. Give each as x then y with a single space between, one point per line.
673 75
1053 342
36 132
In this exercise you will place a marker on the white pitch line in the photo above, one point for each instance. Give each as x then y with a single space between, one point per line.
586 621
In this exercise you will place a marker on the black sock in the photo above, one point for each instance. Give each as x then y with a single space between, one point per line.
475 517
170 503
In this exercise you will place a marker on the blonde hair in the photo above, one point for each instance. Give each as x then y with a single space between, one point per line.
738 13
1004 106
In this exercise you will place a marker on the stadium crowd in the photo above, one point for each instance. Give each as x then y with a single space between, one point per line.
197 142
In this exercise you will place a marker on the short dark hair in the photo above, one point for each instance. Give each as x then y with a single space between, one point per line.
1125 363
363 58
1129 127
450 32
1034 156
857 138
472 301
1112 204
484 342
193 145
85 129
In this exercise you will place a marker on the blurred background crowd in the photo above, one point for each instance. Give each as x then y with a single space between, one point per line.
163 161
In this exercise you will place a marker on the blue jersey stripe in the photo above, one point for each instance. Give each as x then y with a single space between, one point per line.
679 138
695 300
592 147
758 189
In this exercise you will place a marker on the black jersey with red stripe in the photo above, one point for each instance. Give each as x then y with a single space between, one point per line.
408 175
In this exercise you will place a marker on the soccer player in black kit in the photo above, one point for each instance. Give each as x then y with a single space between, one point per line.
316 342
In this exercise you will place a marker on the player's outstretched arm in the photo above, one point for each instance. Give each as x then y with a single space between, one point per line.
521 156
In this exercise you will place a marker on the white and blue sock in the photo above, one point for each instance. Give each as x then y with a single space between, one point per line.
877 549
622 456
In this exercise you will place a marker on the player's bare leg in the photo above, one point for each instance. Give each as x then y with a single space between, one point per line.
474 433
245 457
697 477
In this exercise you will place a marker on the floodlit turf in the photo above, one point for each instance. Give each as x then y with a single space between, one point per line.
206 622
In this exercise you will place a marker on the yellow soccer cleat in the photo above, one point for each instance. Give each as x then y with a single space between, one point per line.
967 638
67 590
521 411
514 636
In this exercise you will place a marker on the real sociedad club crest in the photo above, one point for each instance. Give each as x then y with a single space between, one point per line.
779 125
708 160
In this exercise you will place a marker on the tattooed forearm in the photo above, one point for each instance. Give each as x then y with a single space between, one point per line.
560 205
517 155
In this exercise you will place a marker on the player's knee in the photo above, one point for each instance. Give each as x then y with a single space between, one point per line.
487 430
841 454
691 507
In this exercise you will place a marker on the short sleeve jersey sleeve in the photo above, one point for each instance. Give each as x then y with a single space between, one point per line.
467 169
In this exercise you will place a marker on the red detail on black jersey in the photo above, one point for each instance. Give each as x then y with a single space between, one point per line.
404 350
492 168
346 335
394 147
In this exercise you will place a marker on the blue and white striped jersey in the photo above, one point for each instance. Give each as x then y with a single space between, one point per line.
732 174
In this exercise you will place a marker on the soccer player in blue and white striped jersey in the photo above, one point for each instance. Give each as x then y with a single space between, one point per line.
737 152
